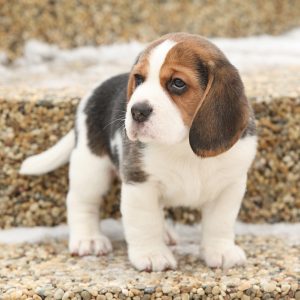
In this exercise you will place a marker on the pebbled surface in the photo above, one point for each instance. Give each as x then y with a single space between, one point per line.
47 269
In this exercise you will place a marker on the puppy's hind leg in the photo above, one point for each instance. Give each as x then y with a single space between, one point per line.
90 177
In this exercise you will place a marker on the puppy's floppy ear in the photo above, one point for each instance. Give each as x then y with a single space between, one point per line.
131 81
223 112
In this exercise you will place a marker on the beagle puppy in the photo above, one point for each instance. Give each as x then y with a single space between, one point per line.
180 132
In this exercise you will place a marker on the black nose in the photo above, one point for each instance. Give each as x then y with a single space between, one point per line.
141 111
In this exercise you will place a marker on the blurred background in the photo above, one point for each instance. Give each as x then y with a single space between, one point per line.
53 52
70 23
44 40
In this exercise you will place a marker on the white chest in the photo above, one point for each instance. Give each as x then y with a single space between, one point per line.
185 179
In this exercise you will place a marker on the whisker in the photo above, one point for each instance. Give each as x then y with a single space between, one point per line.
119 110
116 120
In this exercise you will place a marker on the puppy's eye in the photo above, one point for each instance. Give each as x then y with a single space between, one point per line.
178 83
177 86
139 79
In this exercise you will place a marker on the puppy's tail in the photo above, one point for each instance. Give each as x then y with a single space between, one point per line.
50 159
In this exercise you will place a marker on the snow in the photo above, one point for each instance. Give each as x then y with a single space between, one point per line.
189 235
32 235
48 66
262 51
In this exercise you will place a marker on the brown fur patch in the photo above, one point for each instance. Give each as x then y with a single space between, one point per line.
141 68
181 63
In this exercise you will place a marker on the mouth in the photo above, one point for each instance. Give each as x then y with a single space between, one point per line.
139 132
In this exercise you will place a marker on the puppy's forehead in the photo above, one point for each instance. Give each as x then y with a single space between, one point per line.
179 46
155 53
158 56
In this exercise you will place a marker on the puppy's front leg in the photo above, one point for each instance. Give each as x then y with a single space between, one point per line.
144 227
218 217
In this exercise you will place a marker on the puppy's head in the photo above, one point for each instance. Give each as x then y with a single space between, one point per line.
183 86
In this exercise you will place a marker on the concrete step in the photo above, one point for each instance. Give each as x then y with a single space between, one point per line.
45 270
33 119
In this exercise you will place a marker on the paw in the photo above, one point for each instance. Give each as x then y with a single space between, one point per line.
220 254
96 245
147 259
170 236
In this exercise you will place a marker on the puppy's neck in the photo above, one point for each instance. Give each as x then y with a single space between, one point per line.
180 150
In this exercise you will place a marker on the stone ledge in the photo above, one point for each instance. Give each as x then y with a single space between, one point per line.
33 120
47 271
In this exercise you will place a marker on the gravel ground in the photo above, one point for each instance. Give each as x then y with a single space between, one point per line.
34 119
77 23
47 271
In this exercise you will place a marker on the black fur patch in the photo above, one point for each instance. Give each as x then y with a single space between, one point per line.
131 167
203 72
106 110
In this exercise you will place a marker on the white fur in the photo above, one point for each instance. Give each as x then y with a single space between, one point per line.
117 143
184 175
50 159
165 124
178 177
144 227
89 177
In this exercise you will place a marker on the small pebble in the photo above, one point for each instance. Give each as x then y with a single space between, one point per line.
85 295
285 288
109 296
68 295
269 286
59 293
200 291
216 290
149 290
185 296
245 286
166 289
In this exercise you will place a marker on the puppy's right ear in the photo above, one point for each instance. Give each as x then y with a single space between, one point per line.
130 86
131 79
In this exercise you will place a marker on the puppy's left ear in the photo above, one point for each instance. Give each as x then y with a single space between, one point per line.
223 112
